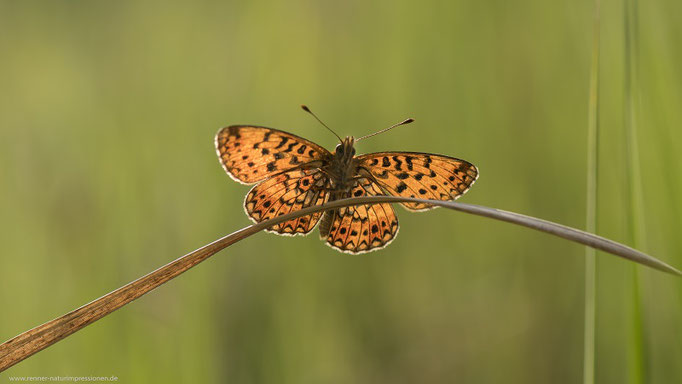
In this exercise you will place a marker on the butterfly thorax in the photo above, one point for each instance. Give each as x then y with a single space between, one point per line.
341 167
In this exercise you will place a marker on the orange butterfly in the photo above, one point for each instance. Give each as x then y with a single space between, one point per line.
293 173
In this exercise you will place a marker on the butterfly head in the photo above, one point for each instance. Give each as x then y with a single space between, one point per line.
345 150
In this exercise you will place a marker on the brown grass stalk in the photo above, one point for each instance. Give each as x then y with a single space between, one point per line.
34 340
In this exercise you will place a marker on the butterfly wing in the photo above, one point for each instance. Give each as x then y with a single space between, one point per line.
287 167
285 193
423 175
362 228
250 154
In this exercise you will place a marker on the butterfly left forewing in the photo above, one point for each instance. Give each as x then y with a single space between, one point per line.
250 153
421 175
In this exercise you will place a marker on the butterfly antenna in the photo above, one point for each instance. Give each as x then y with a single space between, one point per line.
305 108
406 121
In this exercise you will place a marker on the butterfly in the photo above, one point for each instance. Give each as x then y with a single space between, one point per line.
291 173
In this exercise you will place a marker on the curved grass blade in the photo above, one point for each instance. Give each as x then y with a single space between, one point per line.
34 340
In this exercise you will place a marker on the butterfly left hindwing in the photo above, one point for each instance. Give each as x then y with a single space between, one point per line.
285 193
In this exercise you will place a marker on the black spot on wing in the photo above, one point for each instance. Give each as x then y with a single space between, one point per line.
398 163
281 143
408 161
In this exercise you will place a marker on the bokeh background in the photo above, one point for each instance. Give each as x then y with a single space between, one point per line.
107 171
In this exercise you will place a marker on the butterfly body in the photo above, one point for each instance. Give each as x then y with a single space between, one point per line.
293 173
341 166
342 172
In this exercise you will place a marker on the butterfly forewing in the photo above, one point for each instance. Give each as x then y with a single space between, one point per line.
285 193
250 154
363 228
422 175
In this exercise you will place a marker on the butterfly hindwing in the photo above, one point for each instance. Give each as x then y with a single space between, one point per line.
285 193
421 175
363 228
250 154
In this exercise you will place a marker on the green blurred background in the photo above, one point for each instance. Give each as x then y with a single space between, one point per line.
107 171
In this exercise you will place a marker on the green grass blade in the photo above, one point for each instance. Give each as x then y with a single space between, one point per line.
591 214
636 355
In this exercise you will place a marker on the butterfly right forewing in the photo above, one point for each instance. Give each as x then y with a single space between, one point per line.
422 175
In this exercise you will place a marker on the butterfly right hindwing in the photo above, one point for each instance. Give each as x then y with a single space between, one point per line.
362 228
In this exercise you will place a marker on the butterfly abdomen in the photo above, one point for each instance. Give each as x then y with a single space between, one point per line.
326 224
